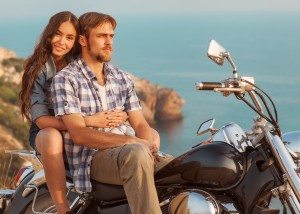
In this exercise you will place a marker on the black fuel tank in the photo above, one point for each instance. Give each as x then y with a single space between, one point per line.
214 165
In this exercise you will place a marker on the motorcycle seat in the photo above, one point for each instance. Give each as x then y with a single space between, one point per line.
107 192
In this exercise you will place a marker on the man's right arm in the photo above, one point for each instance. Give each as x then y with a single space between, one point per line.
85 136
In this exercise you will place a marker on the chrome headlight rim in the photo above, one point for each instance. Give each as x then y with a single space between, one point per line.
196 201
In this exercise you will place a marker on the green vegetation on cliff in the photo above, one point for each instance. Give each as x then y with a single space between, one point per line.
10 118
15 62
9 92
12 122
9 100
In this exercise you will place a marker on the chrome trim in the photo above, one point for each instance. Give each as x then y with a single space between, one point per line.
292 141
34 201
215 52
285 162
234 135
229 208
6 193
164 202
199 85
37 180
294 203
75 202
256 102
292 153
206 126
6 196
194 201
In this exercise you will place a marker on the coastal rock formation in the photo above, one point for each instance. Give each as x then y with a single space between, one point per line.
6 54
169 104
159 103
147 95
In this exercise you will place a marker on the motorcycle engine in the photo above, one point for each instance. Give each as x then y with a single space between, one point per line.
193 201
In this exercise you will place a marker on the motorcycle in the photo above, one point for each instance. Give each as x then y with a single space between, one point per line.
232 171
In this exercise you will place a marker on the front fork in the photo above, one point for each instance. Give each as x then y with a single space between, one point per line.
290 191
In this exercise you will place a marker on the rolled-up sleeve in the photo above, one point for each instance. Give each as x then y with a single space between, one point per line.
64 91
132 102
38 98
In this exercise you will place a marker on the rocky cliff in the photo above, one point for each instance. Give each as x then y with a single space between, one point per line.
159 103
10 66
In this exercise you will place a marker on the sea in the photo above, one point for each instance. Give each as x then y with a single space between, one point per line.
171 50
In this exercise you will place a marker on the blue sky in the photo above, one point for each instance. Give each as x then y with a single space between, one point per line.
43 8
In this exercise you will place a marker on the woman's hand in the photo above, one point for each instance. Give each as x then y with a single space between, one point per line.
122 115
106 119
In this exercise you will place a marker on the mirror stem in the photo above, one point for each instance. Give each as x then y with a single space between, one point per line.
228 57
235 74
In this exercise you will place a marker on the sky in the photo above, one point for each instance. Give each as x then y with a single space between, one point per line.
44 8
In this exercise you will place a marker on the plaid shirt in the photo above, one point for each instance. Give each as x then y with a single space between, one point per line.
75 90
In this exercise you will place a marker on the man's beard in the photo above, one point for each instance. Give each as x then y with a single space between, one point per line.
100 57
103 58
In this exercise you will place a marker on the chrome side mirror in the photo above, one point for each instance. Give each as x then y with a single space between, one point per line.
206 127
217 53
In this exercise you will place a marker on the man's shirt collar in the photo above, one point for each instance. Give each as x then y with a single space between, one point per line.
87 71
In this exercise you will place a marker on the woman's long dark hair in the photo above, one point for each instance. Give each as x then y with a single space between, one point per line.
42 52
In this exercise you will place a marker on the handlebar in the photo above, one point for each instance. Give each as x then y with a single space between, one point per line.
235 85
209 85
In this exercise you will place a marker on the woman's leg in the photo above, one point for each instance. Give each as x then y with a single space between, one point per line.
49 143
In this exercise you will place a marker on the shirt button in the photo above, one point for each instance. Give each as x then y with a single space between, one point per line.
66 104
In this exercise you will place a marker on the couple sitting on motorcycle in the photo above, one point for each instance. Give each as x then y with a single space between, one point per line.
82 106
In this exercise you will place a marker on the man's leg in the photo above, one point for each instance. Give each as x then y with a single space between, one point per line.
131 165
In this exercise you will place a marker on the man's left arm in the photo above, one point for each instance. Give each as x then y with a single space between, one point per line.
142 130
135 116
140 125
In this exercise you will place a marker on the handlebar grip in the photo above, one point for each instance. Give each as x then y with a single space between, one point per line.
209 85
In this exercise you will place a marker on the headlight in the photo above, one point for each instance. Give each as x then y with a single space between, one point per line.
292 141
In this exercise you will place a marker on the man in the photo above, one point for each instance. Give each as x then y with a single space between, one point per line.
90 85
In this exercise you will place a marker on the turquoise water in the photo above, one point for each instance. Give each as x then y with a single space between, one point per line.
171 51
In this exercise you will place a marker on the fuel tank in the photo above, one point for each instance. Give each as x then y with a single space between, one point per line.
216 165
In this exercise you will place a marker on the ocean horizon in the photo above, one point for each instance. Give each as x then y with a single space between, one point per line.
170 50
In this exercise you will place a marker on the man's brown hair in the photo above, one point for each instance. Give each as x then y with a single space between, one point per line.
90 20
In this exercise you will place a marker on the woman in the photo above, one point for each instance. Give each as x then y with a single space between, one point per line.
57 46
